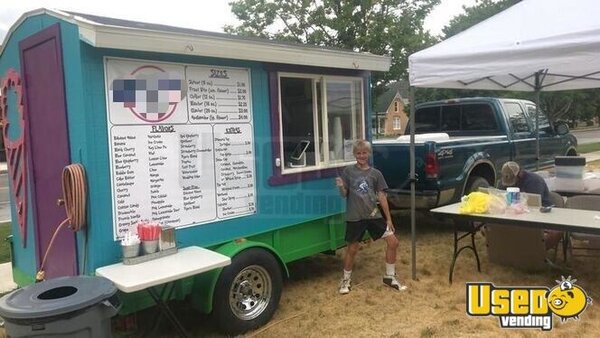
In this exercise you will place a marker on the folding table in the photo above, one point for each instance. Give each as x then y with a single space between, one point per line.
563 219
186 262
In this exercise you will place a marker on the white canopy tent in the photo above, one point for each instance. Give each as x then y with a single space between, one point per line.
532 46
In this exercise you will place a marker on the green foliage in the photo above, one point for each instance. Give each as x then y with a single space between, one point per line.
393 27
4 245
481 10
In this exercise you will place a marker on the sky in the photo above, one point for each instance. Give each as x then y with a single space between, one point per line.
208 15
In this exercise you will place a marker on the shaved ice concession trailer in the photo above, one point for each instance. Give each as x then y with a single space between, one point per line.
234 142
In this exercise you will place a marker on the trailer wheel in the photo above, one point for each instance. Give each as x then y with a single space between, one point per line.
247 292
474 183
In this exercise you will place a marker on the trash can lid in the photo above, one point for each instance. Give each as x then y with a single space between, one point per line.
55 297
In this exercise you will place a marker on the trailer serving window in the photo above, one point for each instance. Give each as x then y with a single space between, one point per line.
321 115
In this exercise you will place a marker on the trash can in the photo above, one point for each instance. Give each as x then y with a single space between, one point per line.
79 306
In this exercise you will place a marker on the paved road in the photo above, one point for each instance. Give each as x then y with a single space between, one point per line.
587 136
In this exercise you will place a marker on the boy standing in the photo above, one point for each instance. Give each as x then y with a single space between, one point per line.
363 187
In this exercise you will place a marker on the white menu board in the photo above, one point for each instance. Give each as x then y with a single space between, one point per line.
181 143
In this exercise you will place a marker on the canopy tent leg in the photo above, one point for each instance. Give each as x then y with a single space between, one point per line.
413 236
538 88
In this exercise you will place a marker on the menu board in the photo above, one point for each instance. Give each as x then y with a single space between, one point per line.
181 143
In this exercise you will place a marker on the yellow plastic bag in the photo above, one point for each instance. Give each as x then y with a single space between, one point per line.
474 203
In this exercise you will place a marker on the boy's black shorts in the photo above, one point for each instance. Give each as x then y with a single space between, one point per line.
356 230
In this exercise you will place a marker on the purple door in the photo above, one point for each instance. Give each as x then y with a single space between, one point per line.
47 143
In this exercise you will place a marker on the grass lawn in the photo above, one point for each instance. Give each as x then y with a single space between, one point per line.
4 245
588 148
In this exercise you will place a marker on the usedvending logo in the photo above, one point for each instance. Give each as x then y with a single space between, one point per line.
528 307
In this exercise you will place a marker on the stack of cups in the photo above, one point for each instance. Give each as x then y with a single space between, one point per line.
513 195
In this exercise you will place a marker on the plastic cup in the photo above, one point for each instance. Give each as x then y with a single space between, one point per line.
150 246
132 250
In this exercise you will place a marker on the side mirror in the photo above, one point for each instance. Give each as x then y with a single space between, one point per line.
561 128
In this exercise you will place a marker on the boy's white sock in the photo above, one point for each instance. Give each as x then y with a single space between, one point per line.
347 274
390 269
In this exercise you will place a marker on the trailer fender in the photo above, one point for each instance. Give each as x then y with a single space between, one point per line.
205 283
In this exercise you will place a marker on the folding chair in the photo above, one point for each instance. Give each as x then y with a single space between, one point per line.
583 242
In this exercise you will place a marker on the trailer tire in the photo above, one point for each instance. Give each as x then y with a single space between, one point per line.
247 291
474 183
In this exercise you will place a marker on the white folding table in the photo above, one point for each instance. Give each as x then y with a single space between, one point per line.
186 262
562 219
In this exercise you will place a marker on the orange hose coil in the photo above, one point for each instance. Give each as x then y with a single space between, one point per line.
74 196
74 193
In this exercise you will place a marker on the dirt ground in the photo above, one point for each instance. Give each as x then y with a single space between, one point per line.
311 306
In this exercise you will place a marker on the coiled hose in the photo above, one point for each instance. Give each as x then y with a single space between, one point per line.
74 200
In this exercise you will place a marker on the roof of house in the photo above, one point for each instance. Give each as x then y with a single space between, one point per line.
104 32
383 101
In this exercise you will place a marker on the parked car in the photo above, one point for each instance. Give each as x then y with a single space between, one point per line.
461 145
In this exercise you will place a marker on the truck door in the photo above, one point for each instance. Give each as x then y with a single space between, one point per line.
523 145
549 140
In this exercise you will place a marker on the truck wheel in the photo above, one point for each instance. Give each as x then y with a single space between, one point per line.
474 183
247 292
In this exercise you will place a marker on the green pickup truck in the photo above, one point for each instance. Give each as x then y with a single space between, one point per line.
461 144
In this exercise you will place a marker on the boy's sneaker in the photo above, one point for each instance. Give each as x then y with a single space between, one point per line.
392 282
345 286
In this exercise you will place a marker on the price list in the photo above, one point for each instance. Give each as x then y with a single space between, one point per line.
197 165
218 95
234 158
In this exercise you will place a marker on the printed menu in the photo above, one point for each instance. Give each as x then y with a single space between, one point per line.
181 173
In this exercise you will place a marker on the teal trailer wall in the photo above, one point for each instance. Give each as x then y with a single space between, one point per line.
277 206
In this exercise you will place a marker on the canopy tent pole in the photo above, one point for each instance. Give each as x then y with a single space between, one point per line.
538 88
413 237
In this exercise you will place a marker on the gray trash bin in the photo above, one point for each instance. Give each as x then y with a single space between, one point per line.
79 306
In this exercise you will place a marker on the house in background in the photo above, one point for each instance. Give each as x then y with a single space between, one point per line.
390 119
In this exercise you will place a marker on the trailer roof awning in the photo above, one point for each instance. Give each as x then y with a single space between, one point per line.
106 32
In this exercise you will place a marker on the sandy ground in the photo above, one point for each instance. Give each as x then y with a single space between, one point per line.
311 306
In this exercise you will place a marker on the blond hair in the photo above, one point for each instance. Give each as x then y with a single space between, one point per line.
360 145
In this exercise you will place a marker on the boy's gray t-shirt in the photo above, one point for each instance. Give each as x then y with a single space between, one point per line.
363 186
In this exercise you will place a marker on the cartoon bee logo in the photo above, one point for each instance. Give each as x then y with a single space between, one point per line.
568 300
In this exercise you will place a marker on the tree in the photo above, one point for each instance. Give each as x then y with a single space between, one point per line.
481 10
393 27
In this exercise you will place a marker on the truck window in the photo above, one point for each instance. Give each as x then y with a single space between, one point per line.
427 120
478 117
450 118
543 119
517 118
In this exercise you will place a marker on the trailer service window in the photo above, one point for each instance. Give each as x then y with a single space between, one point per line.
326 111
